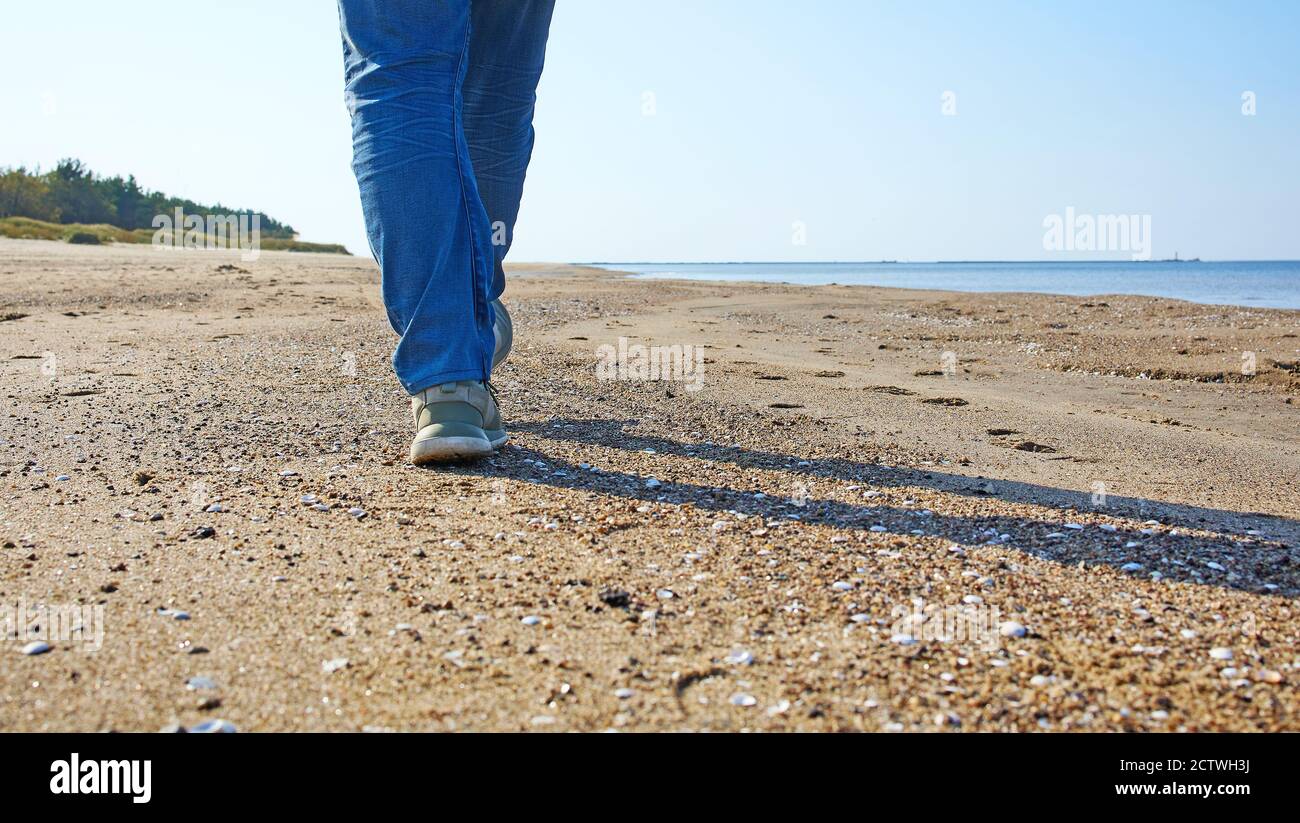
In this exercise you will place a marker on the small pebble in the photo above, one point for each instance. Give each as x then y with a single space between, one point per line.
36 647
531 620
213 727
740 657
1011 628
1221 653
330 666
742 699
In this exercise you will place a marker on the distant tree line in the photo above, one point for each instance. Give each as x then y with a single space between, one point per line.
72 193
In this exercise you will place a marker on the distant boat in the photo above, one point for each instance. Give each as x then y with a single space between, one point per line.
1175 259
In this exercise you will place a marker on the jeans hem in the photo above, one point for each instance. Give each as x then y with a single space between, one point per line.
418 384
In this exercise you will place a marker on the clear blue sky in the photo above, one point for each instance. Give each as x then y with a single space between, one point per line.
826 112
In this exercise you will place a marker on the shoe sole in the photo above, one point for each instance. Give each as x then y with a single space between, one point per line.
450 449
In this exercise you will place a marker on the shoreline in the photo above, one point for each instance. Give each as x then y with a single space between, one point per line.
744 278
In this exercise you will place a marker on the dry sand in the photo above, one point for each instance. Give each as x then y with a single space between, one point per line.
828 475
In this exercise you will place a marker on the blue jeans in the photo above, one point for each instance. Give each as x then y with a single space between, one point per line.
441 94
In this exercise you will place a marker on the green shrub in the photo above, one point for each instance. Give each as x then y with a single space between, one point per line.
84 238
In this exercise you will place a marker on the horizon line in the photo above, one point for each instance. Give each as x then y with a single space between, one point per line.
913 262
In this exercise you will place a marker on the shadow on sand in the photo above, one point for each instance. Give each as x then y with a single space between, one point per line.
1262 563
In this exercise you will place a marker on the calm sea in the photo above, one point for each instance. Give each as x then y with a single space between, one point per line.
1273 284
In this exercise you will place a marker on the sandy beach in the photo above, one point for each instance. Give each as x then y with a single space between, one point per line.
191 435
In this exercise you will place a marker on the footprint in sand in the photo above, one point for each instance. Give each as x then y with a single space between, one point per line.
945 401
1031 446
1024 445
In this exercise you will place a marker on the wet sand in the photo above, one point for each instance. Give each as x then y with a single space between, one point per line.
1093 481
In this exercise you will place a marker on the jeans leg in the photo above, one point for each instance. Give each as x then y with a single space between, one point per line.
506 51
404 66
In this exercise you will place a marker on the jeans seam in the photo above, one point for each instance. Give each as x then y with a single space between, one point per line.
458 137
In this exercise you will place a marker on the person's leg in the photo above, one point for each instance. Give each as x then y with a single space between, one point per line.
404 65
506 51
